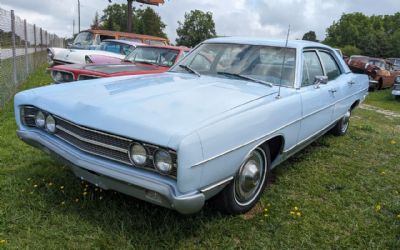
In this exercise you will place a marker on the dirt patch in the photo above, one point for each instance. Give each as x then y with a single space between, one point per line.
384 112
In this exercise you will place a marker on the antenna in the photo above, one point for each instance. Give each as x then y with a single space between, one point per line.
283 63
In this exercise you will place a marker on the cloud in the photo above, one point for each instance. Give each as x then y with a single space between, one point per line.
261 18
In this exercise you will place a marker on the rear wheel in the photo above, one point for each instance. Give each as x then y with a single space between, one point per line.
342 125
246 188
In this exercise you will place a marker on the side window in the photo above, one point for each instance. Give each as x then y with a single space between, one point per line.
311 68
331 67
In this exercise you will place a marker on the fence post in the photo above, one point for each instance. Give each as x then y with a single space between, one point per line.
41 39
26 48
14 55
34 37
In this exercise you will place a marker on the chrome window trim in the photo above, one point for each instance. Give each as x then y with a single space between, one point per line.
265 137
79 76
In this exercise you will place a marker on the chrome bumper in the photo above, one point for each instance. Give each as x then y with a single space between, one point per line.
373 84
396 92
106 174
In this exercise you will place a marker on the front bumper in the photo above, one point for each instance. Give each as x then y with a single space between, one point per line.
373 84
106 174
396 92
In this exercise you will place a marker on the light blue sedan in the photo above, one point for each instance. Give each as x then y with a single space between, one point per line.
212 127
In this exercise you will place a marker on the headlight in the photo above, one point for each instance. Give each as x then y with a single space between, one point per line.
50 57
40 119
163 161
138 154
50 124
57 76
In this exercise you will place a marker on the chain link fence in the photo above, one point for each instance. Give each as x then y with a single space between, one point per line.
22 50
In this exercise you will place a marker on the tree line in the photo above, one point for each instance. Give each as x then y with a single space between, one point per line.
356 33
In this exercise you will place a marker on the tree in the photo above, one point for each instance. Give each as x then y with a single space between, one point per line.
350 50
145 21
96 22
197 27
310 36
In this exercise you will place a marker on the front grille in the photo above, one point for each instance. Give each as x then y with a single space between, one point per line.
96 142
396 87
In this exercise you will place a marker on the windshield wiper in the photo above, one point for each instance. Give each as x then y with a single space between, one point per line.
189 69
246 78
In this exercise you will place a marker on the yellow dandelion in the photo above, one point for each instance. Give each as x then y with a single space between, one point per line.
35 186
265 209
63 203
50 184
28 179
2 242
84 193
378 208
296 208
383 173
398 216
265 215
298 214
292 213
62 187
393 142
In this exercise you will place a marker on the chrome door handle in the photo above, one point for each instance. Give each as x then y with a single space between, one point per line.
333 90
351 82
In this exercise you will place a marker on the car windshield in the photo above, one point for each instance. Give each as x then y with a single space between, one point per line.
265 63
84 38
119 48
151 55
380 64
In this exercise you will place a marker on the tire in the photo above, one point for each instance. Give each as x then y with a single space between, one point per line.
342 125
240 196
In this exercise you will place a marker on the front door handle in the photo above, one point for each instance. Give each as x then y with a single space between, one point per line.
333 91
351 82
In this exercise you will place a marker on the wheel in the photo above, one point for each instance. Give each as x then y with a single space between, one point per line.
246 188
342 125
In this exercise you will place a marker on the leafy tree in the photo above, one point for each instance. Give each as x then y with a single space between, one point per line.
349 50
310 36
96 22
197 27
145 21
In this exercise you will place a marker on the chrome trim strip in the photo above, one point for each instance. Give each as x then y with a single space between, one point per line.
92 130
270 133
91 141
79 77
212 186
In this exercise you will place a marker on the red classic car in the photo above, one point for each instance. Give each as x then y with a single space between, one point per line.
145 59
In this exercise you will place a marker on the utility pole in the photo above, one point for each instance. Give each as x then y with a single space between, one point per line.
73 27
129 24
79 16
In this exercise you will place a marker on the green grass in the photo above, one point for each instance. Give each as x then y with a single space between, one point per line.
383 99
346 189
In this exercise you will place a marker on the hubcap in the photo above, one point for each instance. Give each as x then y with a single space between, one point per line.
345 121
250 178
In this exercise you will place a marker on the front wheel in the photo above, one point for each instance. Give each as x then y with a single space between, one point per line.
246 188
342 125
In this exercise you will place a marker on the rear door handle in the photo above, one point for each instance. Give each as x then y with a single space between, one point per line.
351 82
333 90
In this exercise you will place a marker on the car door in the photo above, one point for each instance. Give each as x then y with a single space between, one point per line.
317 99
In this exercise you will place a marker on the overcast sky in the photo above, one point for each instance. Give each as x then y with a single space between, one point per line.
262 18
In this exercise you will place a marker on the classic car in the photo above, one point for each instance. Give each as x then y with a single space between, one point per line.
111 48
396 88
145 59
395 62
212 127
380 72
89 39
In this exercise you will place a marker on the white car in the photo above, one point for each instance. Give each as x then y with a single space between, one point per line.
112 48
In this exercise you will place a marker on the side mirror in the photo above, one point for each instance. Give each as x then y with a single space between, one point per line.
320 80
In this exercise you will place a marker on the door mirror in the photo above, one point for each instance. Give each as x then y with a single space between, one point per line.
320 80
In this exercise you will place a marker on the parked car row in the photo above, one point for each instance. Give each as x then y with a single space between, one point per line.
381 73
211 127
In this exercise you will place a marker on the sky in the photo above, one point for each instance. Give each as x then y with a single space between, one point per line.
258 18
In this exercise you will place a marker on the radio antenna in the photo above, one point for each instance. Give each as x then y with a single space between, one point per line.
283 63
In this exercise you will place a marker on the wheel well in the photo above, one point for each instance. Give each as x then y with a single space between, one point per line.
275 146
355 104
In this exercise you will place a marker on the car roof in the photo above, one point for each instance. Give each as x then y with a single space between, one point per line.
298 44
166 47
123 41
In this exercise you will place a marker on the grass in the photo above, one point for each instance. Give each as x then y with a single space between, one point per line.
345 189
383 99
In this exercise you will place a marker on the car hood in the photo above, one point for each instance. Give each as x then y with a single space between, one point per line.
152 108
112 68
